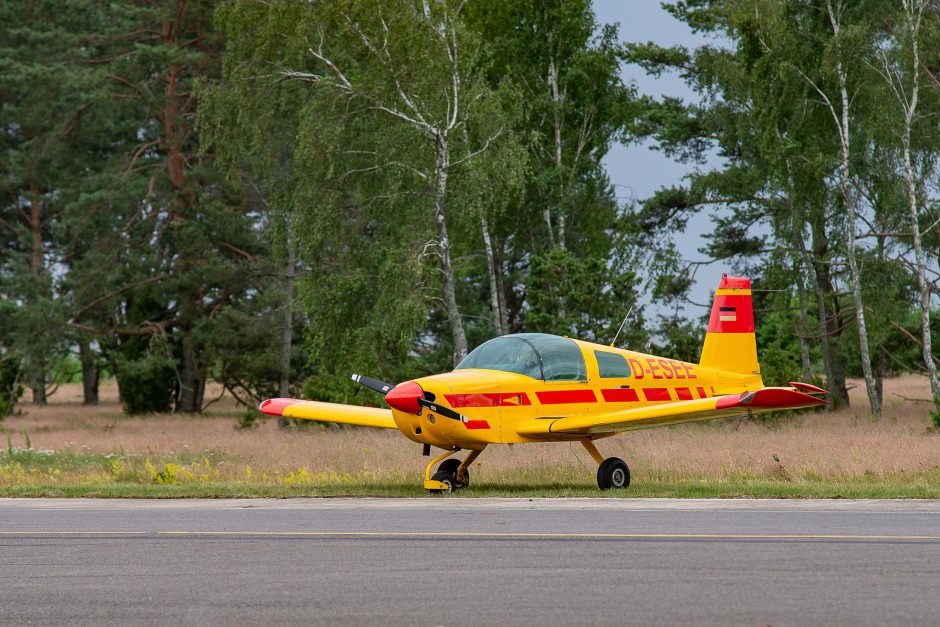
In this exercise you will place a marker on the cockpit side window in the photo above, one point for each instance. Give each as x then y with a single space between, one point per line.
561 358
612 365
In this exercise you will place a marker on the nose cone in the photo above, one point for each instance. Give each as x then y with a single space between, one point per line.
405 397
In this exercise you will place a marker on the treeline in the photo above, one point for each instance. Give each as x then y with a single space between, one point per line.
825 117
273 195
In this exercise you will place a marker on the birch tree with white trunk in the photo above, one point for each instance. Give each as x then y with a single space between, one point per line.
414 65
840 111
902 73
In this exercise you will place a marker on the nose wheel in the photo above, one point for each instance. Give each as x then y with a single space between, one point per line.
450 475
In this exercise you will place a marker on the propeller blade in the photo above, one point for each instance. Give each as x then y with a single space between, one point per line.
443 411
373 384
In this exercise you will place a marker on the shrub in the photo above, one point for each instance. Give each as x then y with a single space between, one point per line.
10 388
147 385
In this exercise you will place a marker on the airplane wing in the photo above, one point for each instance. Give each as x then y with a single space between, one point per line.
758 401
329 412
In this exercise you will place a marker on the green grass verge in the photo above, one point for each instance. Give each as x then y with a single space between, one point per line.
31 473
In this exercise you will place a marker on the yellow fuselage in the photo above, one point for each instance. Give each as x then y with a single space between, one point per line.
495 402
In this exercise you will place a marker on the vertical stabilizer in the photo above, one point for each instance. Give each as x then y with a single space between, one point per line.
730 344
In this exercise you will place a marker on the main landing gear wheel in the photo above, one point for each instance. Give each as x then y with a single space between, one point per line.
450 466
613 473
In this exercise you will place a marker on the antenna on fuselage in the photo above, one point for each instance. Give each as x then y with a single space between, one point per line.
622 324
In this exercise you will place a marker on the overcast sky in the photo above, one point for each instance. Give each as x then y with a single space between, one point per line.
637 171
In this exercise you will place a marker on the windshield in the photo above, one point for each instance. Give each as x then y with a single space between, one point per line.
509 354
536 355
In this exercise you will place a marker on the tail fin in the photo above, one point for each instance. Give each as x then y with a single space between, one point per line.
730 344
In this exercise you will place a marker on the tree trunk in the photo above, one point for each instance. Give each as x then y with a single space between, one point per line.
90 373
830 323
501 289
922 286
287 339
38 378
798 255
547 216
557 102
495 306
807 369
910 112
880 376
848 198
38 383
192 379
192 370
447 267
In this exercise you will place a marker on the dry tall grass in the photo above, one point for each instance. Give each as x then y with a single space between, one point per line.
840 446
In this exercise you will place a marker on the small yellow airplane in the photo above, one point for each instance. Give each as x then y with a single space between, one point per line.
533 387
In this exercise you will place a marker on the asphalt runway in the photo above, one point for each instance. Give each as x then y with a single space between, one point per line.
452 561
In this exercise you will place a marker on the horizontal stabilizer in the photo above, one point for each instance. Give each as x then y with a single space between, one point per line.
329 412
757 401
808 388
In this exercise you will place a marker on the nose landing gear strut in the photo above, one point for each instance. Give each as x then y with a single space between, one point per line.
451 474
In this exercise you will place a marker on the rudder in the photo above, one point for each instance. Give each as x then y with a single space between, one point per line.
730 343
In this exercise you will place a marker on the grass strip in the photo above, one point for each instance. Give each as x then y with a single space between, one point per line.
36 473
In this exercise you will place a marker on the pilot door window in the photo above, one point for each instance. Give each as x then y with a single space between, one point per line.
612 365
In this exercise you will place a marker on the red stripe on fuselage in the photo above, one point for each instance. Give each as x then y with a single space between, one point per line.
620 395
501 399
560 397
477 424
701 392
684 394
656 394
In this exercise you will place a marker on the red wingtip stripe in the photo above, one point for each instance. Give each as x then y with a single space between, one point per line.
276 406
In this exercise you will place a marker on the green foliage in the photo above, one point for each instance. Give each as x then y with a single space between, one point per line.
582 298
10 387
779 364
176 189
770 107
248 419
679 339
146 376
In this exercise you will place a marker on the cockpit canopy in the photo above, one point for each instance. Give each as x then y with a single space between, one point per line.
536 355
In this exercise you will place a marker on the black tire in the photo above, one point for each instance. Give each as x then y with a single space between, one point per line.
446 478
451 466
613 473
